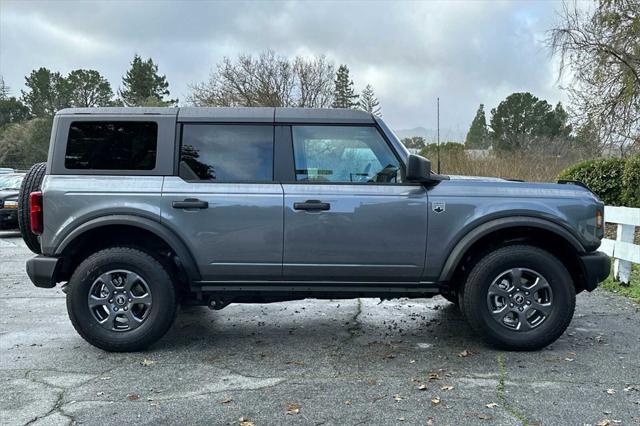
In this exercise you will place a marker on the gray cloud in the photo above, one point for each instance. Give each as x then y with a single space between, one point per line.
465 52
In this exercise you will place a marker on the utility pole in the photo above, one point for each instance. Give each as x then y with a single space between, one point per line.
438 147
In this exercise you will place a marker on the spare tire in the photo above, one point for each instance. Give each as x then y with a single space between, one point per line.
31 183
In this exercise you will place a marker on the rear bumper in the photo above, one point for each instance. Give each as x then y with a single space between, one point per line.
42 270
596 267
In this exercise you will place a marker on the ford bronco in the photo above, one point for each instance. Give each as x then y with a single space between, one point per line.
140 209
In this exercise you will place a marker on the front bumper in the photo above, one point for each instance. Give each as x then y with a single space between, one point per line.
42 270
596 267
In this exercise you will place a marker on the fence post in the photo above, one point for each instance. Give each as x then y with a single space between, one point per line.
622 268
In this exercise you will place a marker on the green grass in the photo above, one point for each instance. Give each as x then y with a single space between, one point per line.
632 291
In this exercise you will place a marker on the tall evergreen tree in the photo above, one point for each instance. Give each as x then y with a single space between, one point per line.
143 86
47 92
4 89
368 101
344 94
478 134
523 121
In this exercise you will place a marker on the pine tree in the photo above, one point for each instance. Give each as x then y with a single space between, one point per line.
478 135
143 86
4 89
344 95
369 102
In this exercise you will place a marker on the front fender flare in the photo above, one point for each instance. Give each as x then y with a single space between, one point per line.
459 250
168 236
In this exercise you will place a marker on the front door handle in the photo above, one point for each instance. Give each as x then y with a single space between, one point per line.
190 203
312 205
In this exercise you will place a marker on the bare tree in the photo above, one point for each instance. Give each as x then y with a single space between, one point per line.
601 49
314 79
267 80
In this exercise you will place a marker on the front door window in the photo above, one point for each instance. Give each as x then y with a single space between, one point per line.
344 154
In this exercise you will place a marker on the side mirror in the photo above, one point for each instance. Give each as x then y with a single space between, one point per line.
418 169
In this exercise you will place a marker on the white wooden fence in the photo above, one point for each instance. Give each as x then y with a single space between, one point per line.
622 248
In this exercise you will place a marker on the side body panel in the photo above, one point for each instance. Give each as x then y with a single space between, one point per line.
371 232
71 200
458 206
239 235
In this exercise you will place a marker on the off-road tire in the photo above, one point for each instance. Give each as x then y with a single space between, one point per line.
32 182
162 311
476 310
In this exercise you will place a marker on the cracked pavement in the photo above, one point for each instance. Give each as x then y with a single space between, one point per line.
341 361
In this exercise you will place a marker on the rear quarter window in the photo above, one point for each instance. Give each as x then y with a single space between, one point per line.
112 145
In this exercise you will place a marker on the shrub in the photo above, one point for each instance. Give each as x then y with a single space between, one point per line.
631 182
603 176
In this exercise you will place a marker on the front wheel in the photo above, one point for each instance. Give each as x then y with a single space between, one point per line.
121 299
519 298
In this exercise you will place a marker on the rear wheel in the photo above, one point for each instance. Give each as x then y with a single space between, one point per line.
121 299
519 297
32 182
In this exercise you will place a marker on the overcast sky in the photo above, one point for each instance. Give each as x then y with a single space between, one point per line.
465 52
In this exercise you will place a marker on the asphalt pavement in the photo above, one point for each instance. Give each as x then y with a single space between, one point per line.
338 362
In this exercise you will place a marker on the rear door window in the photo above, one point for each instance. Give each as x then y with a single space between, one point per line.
112 145
227 153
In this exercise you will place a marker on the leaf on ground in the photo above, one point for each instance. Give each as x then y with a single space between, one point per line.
147 362
446 387
435 401
465 354
246 422
133 397
227 400
292 408
491 405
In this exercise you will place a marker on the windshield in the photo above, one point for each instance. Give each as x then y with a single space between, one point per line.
10 181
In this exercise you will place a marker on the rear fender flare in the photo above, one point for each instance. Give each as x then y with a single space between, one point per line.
168 236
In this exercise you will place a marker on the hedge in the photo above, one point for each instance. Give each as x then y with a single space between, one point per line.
602 176
631 182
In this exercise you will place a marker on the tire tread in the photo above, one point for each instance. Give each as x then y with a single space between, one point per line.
31 182
96 260
468 300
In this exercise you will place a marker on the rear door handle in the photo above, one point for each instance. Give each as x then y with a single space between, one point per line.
312 205
190 203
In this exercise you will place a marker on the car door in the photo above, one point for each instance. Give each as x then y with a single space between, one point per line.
348 215
224 203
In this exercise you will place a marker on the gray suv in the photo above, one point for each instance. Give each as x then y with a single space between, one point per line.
140 209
